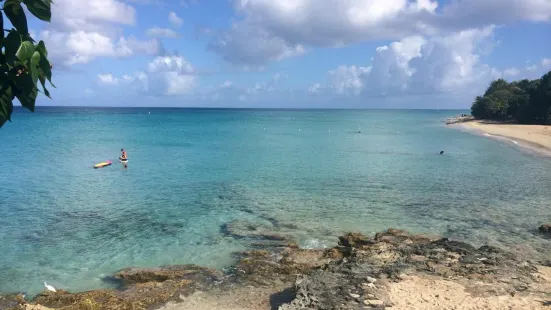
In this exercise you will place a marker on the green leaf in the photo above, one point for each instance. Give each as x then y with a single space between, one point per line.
43 82
12 43
45 66
25 51
33 67
16 15
40 8
27 91
41 48
1 28
6 104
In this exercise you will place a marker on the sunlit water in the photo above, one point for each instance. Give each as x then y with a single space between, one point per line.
191 171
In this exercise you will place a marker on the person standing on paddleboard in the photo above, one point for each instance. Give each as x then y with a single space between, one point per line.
124 158
123 155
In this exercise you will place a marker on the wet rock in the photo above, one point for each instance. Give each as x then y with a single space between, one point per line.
545 229
178 272
333 253
283 265
144 288
353 240
11 300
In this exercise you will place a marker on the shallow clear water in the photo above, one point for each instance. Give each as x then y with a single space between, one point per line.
191 171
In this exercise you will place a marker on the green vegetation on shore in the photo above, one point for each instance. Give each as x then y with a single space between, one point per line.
23 62
524 101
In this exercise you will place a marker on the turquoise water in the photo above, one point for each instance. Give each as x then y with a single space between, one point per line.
191 171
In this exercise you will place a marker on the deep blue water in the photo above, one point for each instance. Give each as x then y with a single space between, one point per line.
192 170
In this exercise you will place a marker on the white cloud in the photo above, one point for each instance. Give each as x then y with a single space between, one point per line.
314 88
273 30
80 47
164 76
226 84
511 72
175 20
418 65
172 83
546 62
531 68
108 79
170 64
83 30
246 45
161 32
89 15
348 79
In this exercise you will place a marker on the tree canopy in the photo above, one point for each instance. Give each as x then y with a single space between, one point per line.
23 61
524 101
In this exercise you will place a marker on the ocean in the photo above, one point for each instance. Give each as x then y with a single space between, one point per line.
311 174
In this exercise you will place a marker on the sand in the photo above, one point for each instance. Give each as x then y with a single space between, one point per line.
536 137
435 293
418 291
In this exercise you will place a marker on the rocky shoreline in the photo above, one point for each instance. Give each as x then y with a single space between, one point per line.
360 272
463 118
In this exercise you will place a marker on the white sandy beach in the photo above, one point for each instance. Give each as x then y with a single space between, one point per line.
535 136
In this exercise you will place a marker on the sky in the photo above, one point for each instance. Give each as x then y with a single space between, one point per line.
290 53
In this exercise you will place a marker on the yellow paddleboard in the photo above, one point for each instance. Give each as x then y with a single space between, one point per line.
103 164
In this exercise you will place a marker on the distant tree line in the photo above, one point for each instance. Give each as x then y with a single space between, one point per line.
524 101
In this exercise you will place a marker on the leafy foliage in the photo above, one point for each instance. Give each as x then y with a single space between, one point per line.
23 62
524 101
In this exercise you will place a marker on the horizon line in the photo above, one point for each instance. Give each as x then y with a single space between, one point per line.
238 108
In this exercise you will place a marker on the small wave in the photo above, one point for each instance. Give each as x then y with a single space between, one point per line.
515 142
314 244
488 135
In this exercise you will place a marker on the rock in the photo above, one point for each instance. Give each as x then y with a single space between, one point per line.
11 300
257 267
545 228
373 302
178 272
353 240
323 279
333 253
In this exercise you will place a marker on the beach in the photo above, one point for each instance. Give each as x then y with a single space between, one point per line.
537 137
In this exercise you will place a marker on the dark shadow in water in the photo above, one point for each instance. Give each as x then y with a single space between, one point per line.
280 298
113 282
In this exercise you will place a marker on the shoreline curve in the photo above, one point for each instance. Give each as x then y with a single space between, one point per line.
534 139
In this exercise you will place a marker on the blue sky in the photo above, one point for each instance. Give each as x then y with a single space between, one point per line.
301 53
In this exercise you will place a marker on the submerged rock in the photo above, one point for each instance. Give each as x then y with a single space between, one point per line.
240 229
